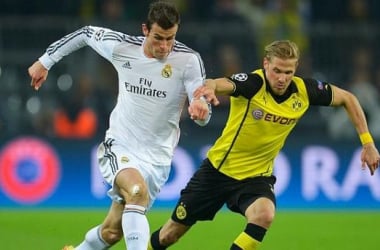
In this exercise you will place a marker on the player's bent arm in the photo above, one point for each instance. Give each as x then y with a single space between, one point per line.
352 106
370 156
65 46
213 87
86 36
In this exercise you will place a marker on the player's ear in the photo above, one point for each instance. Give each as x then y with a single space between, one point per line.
265 62
145 29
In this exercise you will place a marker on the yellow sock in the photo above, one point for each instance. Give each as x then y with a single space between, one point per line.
246 242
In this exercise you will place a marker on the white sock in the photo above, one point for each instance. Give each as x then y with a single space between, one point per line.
93 241
135 227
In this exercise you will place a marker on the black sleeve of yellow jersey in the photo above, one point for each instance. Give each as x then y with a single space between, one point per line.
320 93
247 85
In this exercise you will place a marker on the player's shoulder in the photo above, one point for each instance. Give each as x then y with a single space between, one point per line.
183 48
124 38
134 40
186 54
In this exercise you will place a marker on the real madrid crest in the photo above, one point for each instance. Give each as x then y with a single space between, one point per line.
167 71
124 159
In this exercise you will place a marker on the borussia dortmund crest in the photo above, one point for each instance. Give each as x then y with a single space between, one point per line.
181 212
296 104
167 71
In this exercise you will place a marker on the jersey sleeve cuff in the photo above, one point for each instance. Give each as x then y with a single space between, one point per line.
207 120
46 61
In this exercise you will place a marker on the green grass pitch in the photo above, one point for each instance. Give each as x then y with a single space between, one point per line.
291 230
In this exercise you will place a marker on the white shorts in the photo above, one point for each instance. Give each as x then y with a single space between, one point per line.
113 157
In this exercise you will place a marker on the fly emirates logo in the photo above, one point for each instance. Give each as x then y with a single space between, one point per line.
144 87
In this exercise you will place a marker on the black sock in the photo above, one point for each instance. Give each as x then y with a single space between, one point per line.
251 238
255 231
155 241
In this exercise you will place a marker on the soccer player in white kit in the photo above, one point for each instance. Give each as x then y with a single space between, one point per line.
156 75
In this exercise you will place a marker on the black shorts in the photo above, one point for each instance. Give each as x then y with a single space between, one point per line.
208 190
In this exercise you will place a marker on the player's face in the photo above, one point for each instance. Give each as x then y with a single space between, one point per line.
279 73
159 42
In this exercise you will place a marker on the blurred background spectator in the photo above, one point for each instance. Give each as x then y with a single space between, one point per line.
361 84
75 116
338 41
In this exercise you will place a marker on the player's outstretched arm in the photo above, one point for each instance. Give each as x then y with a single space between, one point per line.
370 155
38 73
207 91
213 87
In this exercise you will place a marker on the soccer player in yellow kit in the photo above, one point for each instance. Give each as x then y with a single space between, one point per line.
265 106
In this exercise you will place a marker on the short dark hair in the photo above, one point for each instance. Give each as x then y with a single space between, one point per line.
164 13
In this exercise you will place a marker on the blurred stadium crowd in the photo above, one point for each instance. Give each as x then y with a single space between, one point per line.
338 40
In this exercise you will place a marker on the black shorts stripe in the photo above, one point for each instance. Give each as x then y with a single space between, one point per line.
110 155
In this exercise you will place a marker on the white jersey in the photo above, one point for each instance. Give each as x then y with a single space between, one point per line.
152 92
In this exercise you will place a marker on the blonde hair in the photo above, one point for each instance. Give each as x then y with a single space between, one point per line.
283 49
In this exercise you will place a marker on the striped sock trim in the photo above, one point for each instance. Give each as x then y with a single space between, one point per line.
128 208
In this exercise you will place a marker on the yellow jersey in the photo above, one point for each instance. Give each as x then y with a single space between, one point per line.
259 123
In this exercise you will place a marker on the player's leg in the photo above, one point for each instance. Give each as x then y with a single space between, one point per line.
133 189
107 234
259 216
127 174
167 235
256 201
101 236
203 196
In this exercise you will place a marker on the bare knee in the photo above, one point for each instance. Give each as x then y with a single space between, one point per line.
138 194
261 212
132 187
264 218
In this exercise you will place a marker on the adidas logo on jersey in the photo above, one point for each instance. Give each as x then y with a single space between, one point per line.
127 65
